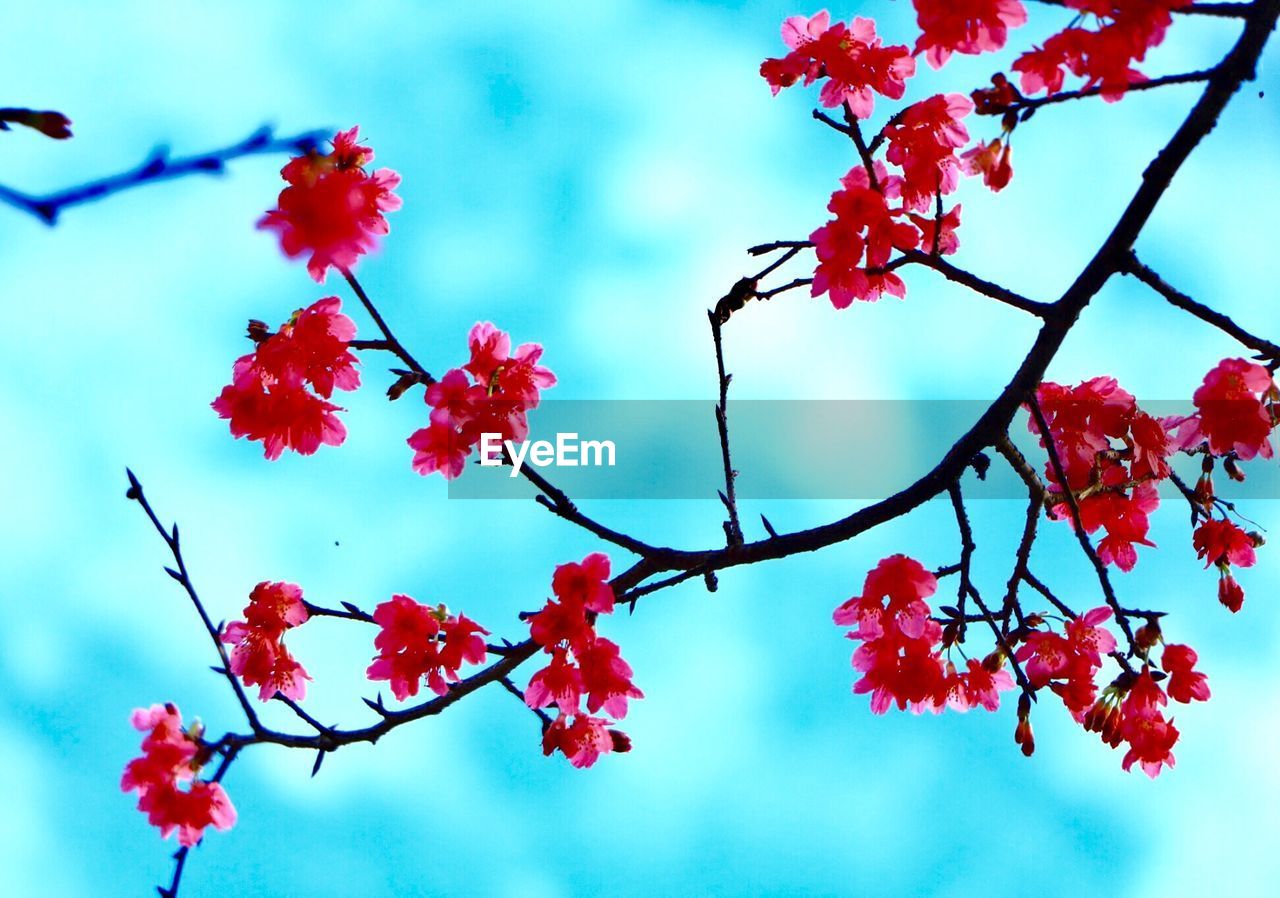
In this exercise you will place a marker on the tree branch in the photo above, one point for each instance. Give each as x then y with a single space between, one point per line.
180 575
1178 299
159 167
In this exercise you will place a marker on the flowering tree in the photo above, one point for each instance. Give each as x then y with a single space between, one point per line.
1102 457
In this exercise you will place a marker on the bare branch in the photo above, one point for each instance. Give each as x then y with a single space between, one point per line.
1178 299
159 166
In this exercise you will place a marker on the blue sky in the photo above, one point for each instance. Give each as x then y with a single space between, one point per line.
586 176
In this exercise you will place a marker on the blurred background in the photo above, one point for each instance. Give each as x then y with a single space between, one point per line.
586 176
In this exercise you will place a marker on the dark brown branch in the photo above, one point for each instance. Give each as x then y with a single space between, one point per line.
158 167
180 856
333 738
1086 544
975 283
1219 10
967 547
1178 299
543 717
827 120
558 503
181 576
732 526
1027 105
864 152
1005 647
793 285
763 248
1237 67
1022 557
349 612
393 345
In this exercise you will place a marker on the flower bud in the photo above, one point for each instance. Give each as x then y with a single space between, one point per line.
1229 593
1024 737
1147 635
1232 467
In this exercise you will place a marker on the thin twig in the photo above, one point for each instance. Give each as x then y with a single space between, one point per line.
1028 105
158 167
393 344
973 282
542 715
1219 10
1060 471
732 526
180 575
1178 299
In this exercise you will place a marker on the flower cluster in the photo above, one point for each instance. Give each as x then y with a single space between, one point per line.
1237 408
260 657
851 57
965 26
923 140
332 207
1113 482
1221 543
417 641
877 212
1067 662
583 665
492 393
1129 710
901 657
279 392
169 760
1104 57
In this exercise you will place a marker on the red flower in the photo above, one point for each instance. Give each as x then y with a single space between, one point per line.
585 583
582 664
278 392
188 811
1069 662
965 26
851 57
1185 685
332 207
947 241
992 161
1235 407
417 641
169 760
559 683
606 678
1221 542
439 447
1105 57
922 141
864 225
583 740
900 657
260 657
1113 485
1230 593
1087 639
1151 738
503 386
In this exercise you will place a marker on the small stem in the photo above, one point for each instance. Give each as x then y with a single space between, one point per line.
732 527
1104 579
1029 104
392 344
184 580
1178 299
